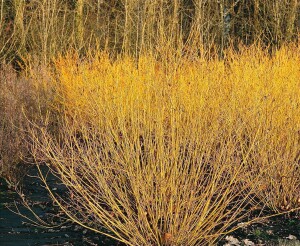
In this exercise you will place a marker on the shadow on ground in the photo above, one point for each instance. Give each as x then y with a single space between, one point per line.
14 231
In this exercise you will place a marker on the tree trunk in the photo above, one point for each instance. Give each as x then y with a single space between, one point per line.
291 17
79 23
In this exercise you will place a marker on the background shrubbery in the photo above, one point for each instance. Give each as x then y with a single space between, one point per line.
15 96
23 98
46 28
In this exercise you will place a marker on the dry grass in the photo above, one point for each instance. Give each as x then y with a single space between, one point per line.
171 153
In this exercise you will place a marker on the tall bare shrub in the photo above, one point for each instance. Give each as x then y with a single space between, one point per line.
146 152
15 96
23 97
46 28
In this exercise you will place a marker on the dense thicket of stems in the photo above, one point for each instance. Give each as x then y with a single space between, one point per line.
45 28
22 99
174 152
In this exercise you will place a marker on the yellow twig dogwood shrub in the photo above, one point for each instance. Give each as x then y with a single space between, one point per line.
174 153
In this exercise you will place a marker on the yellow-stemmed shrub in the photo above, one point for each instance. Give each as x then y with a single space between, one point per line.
172 153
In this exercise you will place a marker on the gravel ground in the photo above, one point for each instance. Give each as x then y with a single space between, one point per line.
280 230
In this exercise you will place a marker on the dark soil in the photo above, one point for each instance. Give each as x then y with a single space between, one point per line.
16 231
279 230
